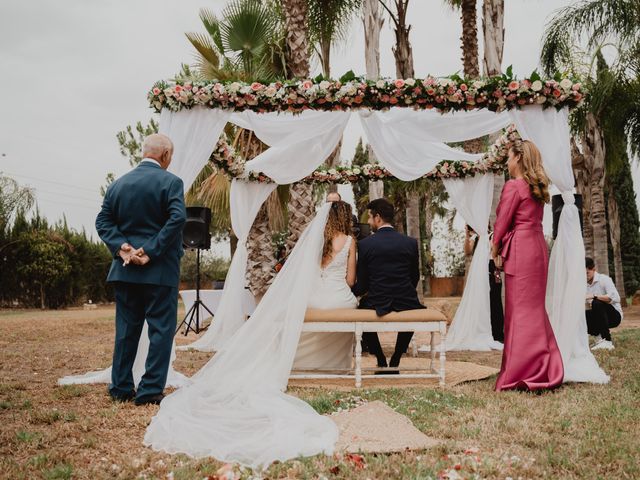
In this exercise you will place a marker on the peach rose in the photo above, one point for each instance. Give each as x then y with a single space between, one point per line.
255 86
514 85
307 84
156 91
399 83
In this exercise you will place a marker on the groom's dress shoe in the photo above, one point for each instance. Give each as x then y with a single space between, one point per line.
149 399
123 397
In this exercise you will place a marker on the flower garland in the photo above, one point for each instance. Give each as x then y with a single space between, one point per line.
350 92
494 160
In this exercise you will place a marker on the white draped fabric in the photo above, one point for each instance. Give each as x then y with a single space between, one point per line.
194 134
471 326
567 284
246 200
235 409
174 379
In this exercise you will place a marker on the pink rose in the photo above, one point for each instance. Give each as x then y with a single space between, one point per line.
526 83
511 97
451 90
399 83
557 93
307 84
156 91
577 96
430 81
514 85
430 91
255 86
521 101
188 86
497 93
393 100
464 87
178 88
576 87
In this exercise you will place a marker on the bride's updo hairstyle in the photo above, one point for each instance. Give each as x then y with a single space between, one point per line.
532 170
339 221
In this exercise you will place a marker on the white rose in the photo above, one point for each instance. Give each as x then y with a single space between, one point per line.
356 171
541 99
410 81
233 87
270 91
566 83
478 84
246 89
536 86
351 90
443 82
501 101
380 83
325 85
333 171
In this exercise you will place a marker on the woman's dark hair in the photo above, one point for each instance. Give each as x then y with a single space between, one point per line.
382 207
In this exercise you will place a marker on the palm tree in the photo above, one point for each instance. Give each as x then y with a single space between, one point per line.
609 120
403 54
373 21
247 43
329 21
493 38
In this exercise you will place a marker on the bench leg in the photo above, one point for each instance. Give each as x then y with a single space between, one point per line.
358 356
432 346
414 347
443 354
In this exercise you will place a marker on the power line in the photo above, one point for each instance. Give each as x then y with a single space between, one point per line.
75 197
51 181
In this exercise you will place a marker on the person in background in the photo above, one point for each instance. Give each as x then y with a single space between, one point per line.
495 286
603 306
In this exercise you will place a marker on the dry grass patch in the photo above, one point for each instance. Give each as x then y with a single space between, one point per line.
53 432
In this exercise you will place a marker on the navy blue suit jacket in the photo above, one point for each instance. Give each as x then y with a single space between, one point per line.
388 272
145 208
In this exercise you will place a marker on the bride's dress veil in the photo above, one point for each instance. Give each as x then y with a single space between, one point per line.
235 410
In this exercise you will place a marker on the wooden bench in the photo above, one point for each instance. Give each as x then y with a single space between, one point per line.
359 321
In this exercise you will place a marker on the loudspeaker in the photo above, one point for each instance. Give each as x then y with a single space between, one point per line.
195 233
556 207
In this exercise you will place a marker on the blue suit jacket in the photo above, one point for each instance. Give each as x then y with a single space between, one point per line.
388 272
145 208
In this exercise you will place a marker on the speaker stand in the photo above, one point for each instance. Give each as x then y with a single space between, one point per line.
194 311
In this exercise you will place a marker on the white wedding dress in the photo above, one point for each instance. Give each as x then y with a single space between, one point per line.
174 379
235 408
330 290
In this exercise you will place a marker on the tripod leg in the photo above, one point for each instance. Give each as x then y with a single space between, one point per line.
188 318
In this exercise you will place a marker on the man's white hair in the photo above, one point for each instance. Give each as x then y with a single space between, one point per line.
156 144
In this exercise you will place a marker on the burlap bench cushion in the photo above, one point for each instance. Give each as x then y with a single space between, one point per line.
356 315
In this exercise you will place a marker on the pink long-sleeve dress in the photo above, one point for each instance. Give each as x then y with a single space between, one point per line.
531 359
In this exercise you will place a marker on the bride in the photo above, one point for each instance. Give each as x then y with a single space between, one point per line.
332 289
235 408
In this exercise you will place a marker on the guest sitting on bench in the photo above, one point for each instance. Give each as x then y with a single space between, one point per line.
605 311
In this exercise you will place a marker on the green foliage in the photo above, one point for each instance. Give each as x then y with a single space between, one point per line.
621 185
361 188
212 268
50 266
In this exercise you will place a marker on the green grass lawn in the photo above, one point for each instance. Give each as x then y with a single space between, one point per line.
578 431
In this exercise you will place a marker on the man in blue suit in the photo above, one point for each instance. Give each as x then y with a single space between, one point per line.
387 275
141 222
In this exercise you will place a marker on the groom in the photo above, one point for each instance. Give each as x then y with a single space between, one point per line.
387 276
141 222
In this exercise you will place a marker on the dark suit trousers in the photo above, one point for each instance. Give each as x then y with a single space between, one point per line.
371 340
135 302
601 318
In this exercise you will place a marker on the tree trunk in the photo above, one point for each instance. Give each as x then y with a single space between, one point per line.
581 174
469 39
301 205
413 229
325 57
428 261
373 21
493 35
42 306
260 266
402 51
614 232
594 152
295 12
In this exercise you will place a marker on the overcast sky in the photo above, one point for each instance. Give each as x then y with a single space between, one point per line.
75 72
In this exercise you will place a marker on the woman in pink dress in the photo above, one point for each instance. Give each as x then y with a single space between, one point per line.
531 359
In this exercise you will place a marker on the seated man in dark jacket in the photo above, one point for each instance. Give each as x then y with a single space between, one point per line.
387 276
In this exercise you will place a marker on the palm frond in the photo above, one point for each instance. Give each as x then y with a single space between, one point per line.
205 47
212 25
